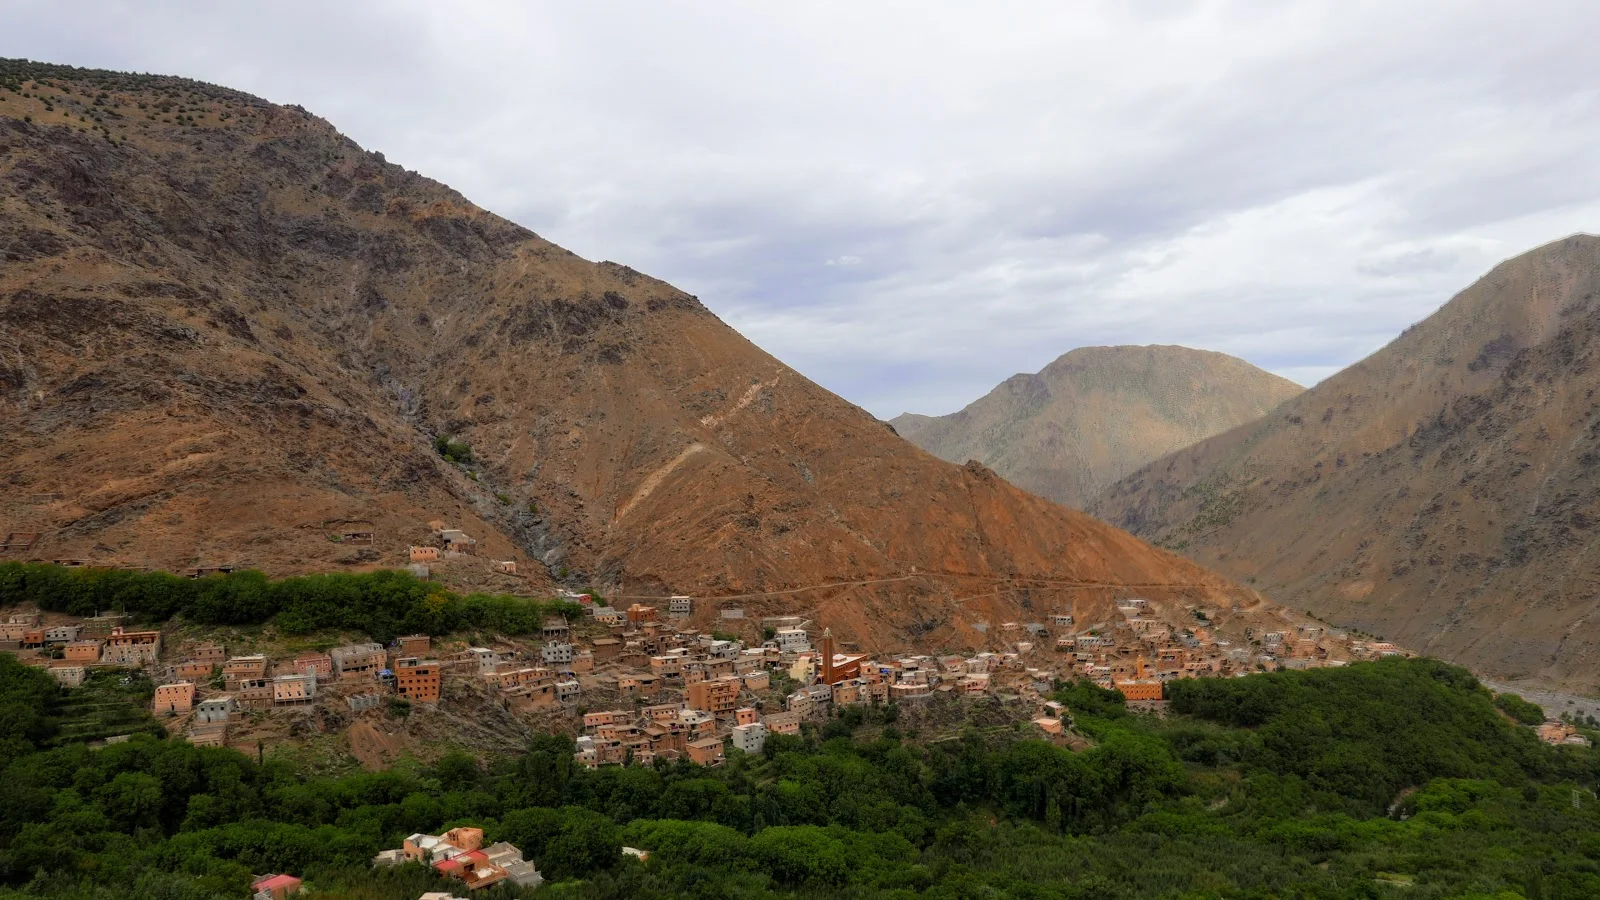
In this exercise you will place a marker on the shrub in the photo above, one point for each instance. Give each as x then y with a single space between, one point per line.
458 452
1520 709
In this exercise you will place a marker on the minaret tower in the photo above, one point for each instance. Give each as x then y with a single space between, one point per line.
827 656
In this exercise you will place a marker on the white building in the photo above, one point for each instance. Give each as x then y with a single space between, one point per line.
556 653
792 640
680 606
724 649
486 659
750 738
215 710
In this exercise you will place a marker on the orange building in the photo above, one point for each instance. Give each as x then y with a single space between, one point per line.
746 716
706 752
639 613
418 680
277 887
294 689
177 697
640 685
209 653
1139 690
191 669
834 668
318 664
245 667
718 697
415 645
82 652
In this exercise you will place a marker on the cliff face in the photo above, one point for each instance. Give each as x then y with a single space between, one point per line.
228 333
1097 414
1444 492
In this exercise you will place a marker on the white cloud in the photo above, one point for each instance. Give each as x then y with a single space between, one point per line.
910 201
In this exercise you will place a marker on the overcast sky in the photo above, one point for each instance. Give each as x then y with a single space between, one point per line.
909 202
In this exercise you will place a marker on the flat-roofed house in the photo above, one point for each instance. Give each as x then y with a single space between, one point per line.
706 752
241 668
750 738
418 680
294 690
131 648
457 541
358 659
719 697
83 652
558 654
192 670
318 664
174 698
640 685
214 654
215 710
417 645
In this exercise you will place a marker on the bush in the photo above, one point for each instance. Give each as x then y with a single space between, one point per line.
457 452
1520 709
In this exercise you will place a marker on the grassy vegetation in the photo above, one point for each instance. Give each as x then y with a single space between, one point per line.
110 702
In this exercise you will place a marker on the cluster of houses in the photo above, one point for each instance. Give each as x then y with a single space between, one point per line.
668 690
450 543
459 853
69 651
1137 653
362 674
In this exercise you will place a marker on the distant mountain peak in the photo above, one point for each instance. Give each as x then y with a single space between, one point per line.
1096 413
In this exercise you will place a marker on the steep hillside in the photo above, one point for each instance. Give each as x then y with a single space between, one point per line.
227 333
1098 413
1444 492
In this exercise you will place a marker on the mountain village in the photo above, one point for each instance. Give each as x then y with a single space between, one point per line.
641 684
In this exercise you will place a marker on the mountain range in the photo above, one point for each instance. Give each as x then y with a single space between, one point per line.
1443 492
1098 413
231 336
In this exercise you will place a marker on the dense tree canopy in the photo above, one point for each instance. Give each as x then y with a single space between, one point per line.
382 604
1397 778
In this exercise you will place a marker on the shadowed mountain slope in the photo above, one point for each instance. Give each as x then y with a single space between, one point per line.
1444 492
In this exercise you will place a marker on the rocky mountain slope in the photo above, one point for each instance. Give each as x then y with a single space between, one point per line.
1444 492
227 333
1098 413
